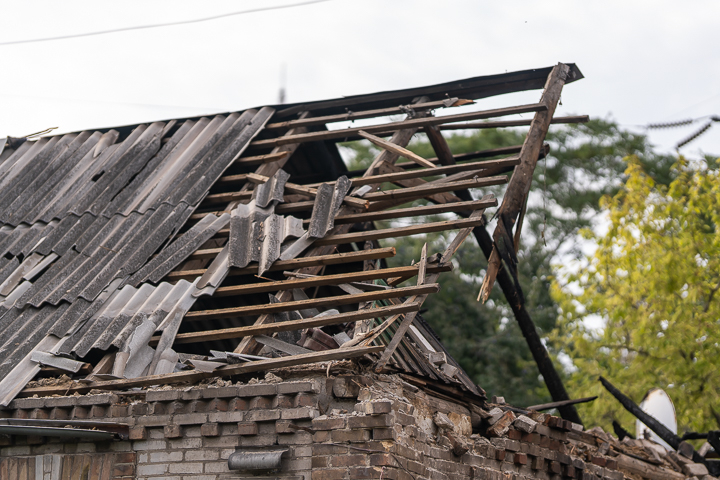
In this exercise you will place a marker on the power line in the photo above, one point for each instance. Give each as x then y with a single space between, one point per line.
155 25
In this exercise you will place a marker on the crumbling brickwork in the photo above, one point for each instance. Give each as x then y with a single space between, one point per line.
331 427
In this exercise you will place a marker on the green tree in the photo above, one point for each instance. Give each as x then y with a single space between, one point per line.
653 283
585 163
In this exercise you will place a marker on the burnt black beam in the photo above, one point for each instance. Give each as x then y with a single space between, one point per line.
651 422
515 298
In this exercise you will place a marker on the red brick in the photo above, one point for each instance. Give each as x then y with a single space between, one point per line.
382 459
138 433
210 430
533 438
173 431
306 400
382 434
247 428
348 460
350 435
357 473
514 434
570 471
261 403
217 405
370 421
332 423
123 469
282 401
611 464
125 457
283 426
538 463
237 404
329 474
500 455
320 462
600 461
520 459
554 467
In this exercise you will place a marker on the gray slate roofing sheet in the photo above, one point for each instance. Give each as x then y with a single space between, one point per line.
82 213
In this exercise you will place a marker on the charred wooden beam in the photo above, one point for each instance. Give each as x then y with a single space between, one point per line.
651 422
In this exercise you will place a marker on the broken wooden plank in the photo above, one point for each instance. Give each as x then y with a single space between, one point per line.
388 128
290 325
310 303
399 231
392 147
195 376
519 186
322 280
301 262
416 211
380 112
260 159
513 123
428 189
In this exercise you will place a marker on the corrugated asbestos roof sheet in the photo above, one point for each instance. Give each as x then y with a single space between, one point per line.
83 214
90 240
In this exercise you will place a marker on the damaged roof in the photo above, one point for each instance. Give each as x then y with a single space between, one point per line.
217 246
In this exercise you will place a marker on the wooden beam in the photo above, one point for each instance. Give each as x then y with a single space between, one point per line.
321 280
392 147
519 186
194 376
310 303
269 328
432 188
381 112
414 211
651 422
513 123
301 262
260 159
398 232
388 128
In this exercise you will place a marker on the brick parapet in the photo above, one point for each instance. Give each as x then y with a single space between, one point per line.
344 427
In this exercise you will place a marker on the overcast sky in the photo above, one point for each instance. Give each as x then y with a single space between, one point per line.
644 61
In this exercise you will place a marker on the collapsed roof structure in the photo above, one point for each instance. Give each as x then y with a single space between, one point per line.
154 265
140 249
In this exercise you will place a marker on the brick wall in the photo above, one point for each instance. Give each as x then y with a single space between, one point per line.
343 427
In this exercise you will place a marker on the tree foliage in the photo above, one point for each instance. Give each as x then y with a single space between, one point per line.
653 282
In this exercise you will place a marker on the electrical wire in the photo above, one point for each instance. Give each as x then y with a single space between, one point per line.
156 25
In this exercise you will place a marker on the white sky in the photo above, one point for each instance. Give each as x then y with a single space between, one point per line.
643 61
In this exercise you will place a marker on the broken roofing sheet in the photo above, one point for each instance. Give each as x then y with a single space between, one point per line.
118 264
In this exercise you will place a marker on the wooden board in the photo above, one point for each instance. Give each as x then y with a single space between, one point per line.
310 303
269 328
